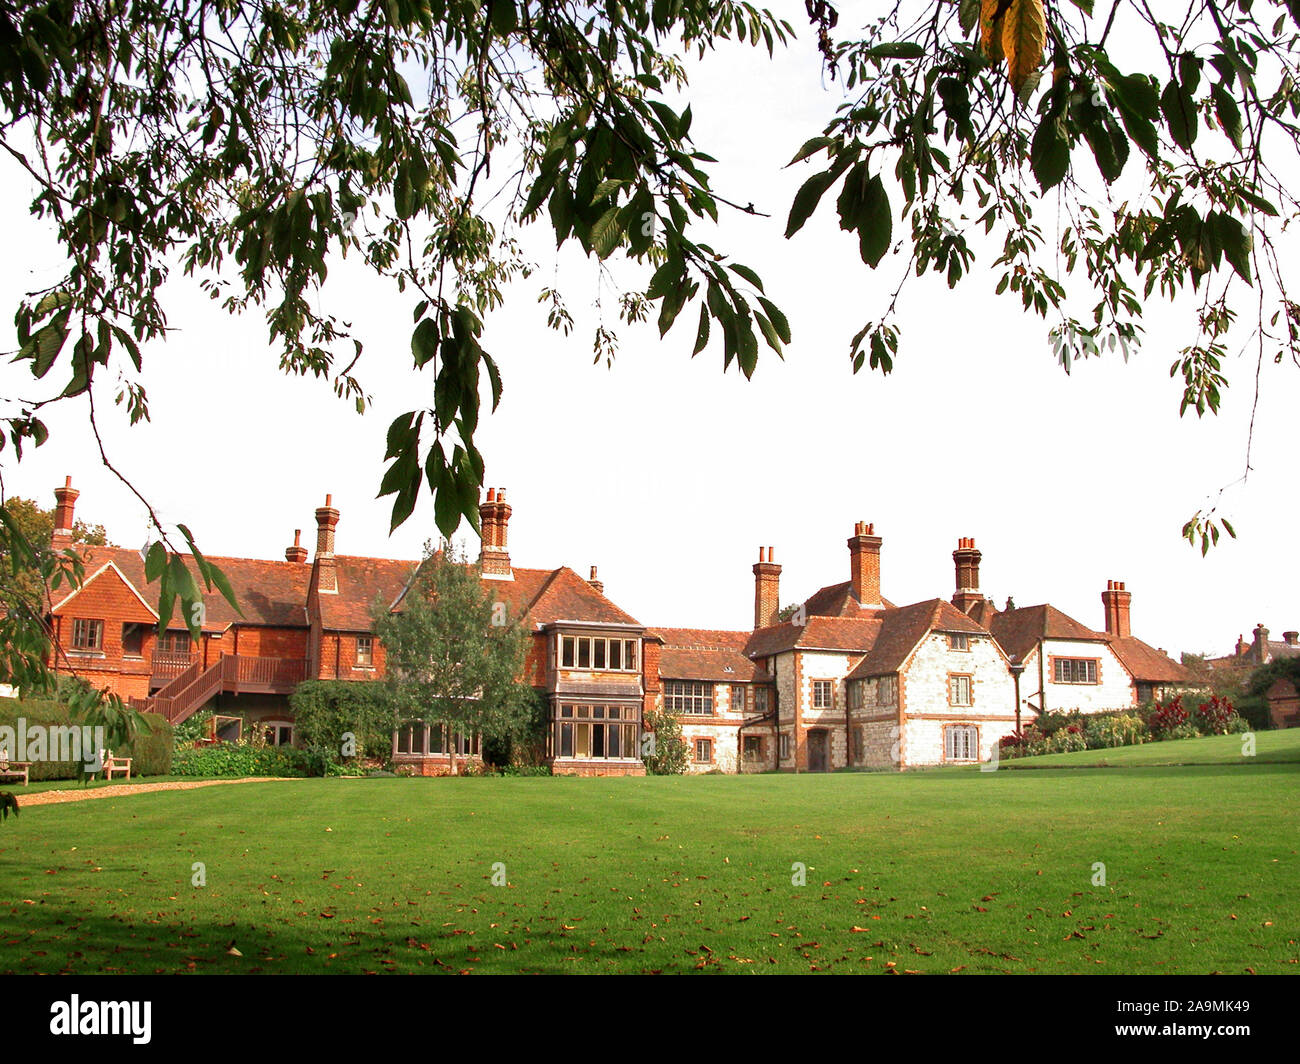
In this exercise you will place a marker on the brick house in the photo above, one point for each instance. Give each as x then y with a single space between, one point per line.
312 620
850 680
853 680
1282 695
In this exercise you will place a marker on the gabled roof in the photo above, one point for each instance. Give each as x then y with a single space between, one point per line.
1017 631
540 596
1148 665
706 654
270 593
838 600
903 628
854 635
110 571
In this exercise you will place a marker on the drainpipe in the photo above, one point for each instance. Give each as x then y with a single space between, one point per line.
1016 670
1042 686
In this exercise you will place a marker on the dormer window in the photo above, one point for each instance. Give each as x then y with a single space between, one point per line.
958 641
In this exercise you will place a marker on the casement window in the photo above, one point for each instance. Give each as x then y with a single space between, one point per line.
785 748
887 691
132 639
365 650
753 748
959 691
961 743
855 693
737 698
277 732
688 697
174 644
704 750
761 699
822 695
598 653
596 731
87 635
958 641
859 745
423 740
1074 670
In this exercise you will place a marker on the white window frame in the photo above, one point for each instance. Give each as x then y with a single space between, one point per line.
961 742
959 641
628 653
689 698
956 681
824 688
366 657
706 744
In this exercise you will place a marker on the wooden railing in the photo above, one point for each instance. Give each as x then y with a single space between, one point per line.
167 665
190 690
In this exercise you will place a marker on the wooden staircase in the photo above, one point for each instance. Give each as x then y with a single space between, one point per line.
183 696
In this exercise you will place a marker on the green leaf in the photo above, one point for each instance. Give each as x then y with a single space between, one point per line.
777 318
806 200
606 232
1049 154
1180 115
1229 115
155 562
702 332
1236 242
424 342
748 274
876 229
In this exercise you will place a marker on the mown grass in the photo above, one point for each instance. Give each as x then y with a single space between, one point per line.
928 872
1278 747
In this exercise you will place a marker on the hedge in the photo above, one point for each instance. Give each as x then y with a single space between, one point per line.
150 753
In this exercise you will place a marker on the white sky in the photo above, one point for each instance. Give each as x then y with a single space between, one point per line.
668 474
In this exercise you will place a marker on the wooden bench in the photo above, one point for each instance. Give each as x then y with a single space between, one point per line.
15 769
120 766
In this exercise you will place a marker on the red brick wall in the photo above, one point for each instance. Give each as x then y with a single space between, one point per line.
107 598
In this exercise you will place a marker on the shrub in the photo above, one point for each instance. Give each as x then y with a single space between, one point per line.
326 710
1168 718
229 761
1067 740
669 756
1216 717
150 753
1107 730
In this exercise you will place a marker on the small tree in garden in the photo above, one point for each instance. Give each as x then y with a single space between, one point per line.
667 755
453 653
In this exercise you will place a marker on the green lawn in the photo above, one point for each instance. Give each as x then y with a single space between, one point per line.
927 872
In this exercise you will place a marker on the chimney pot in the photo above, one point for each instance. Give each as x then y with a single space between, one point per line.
966 560
1116 603
1291 638
494 518
767 589
864 565
64 514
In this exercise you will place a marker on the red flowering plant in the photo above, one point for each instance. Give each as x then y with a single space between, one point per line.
1167 717
1215 717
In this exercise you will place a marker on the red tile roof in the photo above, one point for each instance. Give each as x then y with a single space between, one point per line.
706 654
1018 631
847 634
903 628
837 600
269 593
1148 665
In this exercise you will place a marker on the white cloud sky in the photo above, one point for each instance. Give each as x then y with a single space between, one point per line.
668 474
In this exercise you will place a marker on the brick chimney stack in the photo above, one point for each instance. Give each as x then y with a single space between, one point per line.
864 564
65 506
324 576
1115 601
1259 649
1291 638
967 560
494 522
297 553
595 583
767 589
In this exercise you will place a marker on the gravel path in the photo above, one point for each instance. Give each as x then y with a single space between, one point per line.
117 790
